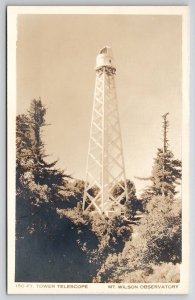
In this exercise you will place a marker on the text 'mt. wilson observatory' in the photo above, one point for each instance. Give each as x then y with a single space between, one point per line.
105 189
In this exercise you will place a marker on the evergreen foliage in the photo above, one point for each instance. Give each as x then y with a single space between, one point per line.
57 242
166 171
37 182
156 241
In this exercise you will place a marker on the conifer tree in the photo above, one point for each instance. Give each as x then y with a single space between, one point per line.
166 171
31 149
44 172
38 183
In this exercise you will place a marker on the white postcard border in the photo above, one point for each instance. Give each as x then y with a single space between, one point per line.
93 288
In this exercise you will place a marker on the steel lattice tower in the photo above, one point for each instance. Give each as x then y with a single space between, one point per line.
105 188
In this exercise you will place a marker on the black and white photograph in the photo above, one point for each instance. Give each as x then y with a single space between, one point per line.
98 169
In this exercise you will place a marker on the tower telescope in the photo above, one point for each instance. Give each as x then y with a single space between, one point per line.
105 187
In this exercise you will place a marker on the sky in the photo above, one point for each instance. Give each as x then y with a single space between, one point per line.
56 57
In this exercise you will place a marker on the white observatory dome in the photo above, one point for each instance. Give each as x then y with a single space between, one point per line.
105 58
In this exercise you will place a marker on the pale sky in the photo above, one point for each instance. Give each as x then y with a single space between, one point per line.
55 61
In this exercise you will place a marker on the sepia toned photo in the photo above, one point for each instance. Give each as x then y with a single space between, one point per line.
98 183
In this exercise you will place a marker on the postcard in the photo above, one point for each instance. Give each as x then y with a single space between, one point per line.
98 150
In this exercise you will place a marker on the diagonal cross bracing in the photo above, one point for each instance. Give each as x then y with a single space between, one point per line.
105 166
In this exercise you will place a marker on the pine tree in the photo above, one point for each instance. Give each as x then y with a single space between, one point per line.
44 172
166 171
36 179
38 183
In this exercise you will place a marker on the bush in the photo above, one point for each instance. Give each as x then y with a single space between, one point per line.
155 242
